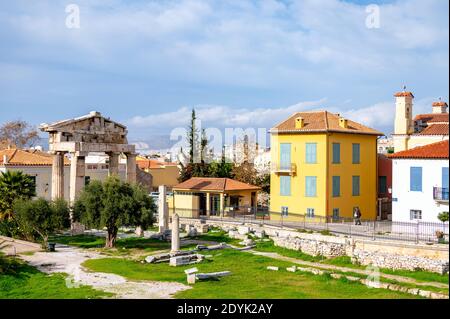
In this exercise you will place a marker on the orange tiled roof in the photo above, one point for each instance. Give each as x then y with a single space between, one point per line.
435 129
322 121
17 157
432 118
403 94
214 184
440 103
437 150
145 163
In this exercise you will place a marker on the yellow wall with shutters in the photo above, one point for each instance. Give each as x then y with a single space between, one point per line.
324 203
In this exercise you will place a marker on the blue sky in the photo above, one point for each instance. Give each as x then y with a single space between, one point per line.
241 63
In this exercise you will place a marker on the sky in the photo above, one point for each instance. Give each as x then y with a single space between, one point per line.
239 63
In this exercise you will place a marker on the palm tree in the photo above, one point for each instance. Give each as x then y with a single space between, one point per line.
14 185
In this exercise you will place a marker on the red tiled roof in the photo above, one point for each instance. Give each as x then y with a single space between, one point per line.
145 163
432 118
440 103
17 157
214 184
322 121
435 129
403 94
437 150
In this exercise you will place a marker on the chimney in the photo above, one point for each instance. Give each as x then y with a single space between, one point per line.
440 107
299 122
5 159
343 122
404 124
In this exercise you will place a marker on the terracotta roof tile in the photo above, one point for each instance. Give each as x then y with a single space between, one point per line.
432 118
17 157
440 103
214 184
145 163
437 150
403 94
322 121
435 129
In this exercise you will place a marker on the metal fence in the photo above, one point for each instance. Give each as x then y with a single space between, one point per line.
414 231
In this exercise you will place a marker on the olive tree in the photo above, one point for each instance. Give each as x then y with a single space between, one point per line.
113 204
38 219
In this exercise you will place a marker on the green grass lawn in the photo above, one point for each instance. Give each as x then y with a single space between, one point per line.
25 282
90 241
249 278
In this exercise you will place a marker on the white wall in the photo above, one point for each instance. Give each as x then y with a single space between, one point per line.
43 176
404 200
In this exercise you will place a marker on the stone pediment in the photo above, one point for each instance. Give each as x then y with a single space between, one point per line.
91 128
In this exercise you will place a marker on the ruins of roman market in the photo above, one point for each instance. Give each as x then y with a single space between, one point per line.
203 238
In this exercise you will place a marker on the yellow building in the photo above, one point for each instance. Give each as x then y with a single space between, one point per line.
163 173
323 165
206 196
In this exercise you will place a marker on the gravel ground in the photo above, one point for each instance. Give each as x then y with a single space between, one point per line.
68 260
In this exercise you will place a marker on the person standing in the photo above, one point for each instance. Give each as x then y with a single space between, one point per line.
357 215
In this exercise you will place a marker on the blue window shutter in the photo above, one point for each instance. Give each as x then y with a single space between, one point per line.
310 186
415 179
285 185
336 153
336 186
355 185
356 153
285 155
445 177
311 153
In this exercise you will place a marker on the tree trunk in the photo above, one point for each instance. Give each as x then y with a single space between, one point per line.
45 242
111 238
139 231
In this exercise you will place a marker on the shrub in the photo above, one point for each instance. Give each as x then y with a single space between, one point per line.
443 217
40 218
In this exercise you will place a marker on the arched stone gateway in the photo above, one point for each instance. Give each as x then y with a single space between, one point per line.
79 137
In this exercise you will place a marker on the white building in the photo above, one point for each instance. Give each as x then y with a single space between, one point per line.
423 129
420 183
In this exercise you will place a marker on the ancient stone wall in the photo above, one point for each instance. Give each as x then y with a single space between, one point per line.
381 254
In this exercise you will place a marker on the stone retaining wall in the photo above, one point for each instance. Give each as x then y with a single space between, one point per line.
311 246
404 256
395 261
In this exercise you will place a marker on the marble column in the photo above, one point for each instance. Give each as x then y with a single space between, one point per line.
114 164
175 233
222 204
77 174
163 211
131 168
58 175
208 204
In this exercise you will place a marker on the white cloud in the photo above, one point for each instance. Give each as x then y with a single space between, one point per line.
222 116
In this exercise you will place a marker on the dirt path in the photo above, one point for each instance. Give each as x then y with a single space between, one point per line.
68 260
346 269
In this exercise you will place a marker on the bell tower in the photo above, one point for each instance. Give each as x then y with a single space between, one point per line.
404 125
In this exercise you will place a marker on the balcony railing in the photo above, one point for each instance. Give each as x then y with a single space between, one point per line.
290 169
440 194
